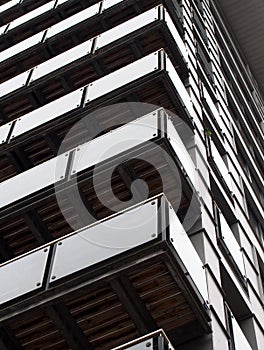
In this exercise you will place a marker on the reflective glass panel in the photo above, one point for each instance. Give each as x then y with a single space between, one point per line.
181 151
105 239
73 20
32 14
8 5
32 180
240 340
110 3
115 142
22 275
47 112
180 88
213 108
21 46
62 60
231 243
13 84
176 35
143 345
220 164
185 250
123 76
4 131
126 28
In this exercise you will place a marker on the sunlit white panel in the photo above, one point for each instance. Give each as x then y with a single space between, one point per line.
232 244
13 84
110 3
61 2
181 151
32 14
4 131
62 60
187 253
115 142
176 35
127 27
47 113
105 240
33 180
8 5
122 76
21 46
180 88
220 165
213 108
22 275
143 345
240 340
73 20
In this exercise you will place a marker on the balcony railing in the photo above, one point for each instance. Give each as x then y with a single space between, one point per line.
157 61
144 129
156 340
153 220
84 49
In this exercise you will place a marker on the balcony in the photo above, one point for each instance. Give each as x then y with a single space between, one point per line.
156 155
150 79
118 278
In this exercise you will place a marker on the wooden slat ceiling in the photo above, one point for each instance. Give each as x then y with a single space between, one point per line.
245 19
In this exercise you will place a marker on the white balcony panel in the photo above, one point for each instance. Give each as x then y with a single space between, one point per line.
181 151
110 3
73 20
221 165
187 254
176 36
127 27
232 244
4 131
47 113
213 109
62 60
143 345
8 5
240 340
21 46
13 84
61 2
180 88
122 76
113 143
22 275
33 180
105 240
32 14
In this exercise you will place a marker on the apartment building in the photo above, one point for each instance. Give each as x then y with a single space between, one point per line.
131 157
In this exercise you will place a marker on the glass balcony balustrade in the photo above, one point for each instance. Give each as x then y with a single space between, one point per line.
8 5
143 130
152 63
221 166
32 14
80 51
152 220
73 20
156 340
231 243
240 340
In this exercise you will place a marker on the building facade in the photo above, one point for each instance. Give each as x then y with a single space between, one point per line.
131 157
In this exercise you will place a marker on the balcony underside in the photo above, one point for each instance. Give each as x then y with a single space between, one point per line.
110 304
38 219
